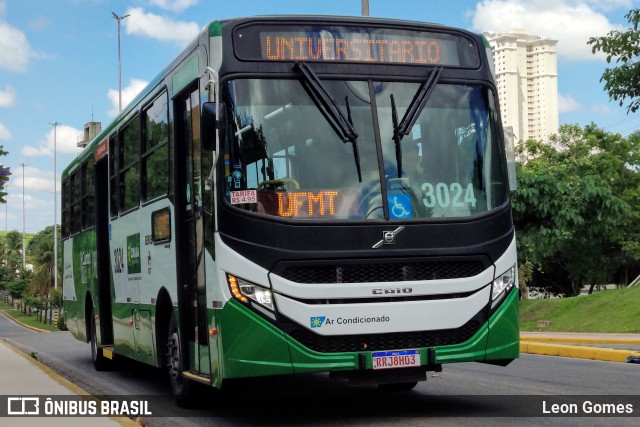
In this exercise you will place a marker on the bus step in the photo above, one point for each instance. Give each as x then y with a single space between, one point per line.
201 378
107 351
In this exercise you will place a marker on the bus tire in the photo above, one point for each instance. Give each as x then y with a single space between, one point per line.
398 386
180 386
100 363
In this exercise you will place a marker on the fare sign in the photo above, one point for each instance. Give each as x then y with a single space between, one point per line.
245 196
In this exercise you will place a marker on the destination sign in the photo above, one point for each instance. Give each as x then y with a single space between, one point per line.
359 45
308 204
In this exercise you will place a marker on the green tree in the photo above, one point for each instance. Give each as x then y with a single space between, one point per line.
5 277
623 48
41 256
575 205
11 251
5 172
43 279
18 287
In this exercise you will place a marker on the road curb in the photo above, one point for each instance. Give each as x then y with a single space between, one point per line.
580 340
33 328
580 352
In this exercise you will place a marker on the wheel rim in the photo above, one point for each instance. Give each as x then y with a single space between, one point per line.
173 358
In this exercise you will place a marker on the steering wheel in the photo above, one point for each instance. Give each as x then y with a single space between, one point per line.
279 184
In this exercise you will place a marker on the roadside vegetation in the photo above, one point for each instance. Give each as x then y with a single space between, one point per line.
610 311
19 316
30 291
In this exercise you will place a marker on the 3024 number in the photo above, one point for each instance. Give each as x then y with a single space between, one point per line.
448 195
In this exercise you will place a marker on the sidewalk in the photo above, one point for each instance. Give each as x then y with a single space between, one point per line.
21 375
605 347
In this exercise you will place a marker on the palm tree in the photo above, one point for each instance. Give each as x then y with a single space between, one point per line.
12 250
42 257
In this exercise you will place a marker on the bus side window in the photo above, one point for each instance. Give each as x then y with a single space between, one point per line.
65 208
155 149
76 201
130 166
88 192
113 171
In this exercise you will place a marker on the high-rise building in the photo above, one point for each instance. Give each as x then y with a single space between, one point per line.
527 79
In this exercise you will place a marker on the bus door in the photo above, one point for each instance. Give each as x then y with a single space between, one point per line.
190 232
102 250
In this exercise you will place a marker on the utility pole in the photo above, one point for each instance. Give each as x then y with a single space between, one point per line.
120 18
24 239
55 205
365 7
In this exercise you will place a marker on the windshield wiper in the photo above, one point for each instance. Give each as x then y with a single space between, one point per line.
342 126
400 130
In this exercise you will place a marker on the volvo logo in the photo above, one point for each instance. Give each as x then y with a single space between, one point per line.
388 237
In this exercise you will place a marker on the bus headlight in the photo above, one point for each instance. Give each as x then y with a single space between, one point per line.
244 291
503 284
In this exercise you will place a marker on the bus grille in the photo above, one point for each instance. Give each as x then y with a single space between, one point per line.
390 341
383 272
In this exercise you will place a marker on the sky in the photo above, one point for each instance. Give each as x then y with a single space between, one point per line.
59 64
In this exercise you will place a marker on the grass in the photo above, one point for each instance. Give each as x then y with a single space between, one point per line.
26 319
611 311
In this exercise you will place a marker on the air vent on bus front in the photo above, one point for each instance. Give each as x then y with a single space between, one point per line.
366 272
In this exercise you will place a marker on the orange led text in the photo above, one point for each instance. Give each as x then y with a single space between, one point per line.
403 51
306 203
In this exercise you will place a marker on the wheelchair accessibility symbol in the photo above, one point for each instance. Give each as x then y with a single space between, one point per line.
400 206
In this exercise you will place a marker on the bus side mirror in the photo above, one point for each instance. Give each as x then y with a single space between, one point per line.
209 122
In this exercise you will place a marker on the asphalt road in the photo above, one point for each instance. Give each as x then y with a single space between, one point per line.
468 393
9 328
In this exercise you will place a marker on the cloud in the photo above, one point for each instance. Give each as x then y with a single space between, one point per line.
34 179
550 19
66 140
601 109
174 5
159 27
15 50
128 93
5 135
566 104
38 199
610 4
7 97
40 23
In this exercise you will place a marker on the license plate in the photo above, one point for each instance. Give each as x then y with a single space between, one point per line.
395 359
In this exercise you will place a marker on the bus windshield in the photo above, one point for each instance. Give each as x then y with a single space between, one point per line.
285 157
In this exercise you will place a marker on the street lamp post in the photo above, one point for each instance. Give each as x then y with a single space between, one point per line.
24 243
365 7
55 205
119 18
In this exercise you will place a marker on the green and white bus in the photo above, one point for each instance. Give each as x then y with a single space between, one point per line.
294 195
